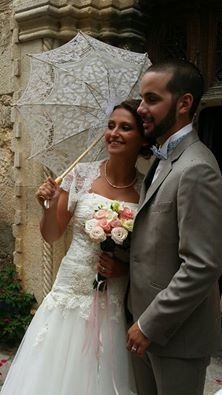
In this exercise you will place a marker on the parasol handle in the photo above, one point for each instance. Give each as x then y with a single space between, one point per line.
59 179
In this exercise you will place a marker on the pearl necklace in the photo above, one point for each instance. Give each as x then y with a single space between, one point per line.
117 186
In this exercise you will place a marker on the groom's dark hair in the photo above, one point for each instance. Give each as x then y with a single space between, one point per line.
186 78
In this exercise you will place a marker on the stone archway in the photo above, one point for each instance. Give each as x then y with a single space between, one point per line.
209 126
209 130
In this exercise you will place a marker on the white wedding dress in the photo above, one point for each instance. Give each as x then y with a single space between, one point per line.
76 342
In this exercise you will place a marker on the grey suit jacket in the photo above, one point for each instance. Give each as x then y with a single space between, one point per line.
176 254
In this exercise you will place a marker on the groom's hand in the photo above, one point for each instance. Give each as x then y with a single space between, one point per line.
136 341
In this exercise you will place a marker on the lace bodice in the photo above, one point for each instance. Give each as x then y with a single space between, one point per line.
80 179
73 286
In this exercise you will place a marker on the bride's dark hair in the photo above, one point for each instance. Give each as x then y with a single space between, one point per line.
132 105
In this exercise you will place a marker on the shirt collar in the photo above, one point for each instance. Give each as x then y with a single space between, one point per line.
163 149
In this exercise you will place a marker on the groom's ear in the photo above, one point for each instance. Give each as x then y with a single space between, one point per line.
184 103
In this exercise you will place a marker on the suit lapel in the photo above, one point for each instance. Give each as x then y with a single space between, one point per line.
146 195
155 185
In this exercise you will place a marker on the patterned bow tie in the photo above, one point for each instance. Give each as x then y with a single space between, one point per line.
171 146
157 152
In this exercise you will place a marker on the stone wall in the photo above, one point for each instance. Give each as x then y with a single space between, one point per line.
6 131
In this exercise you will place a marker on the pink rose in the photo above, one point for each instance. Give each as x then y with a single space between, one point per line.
101 214
126 213
105 225
115 222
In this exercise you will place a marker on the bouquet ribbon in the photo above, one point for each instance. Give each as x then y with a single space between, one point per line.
93 338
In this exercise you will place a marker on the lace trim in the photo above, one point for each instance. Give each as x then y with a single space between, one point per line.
80 179
41 335
65 303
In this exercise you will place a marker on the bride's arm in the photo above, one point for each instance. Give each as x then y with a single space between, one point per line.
55 218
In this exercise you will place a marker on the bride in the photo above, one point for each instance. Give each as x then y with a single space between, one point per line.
76 342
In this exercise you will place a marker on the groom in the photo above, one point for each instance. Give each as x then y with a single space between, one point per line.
176 249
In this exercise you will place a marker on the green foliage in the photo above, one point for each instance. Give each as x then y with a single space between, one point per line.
15 304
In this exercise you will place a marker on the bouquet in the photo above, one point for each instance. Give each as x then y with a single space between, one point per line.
111 226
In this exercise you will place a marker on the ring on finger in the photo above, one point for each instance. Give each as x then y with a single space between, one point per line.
103 269
133 348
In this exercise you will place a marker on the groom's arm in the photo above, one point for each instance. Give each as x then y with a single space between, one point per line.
199 213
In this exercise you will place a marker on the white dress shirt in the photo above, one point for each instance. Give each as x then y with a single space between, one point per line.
163 149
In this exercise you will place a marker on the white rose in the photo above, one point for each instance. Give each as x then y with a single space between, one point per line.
90 224
97 234
119 234
128 224
111 215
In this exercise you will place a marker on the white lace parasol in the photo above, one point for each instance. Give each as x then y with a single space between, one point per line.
71 93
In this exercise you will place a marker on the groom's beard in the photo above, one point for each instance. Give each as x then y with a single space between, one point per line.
165 125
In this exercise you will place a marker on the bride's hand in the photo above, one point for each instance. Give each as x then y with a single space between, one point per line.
49 191
110 267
